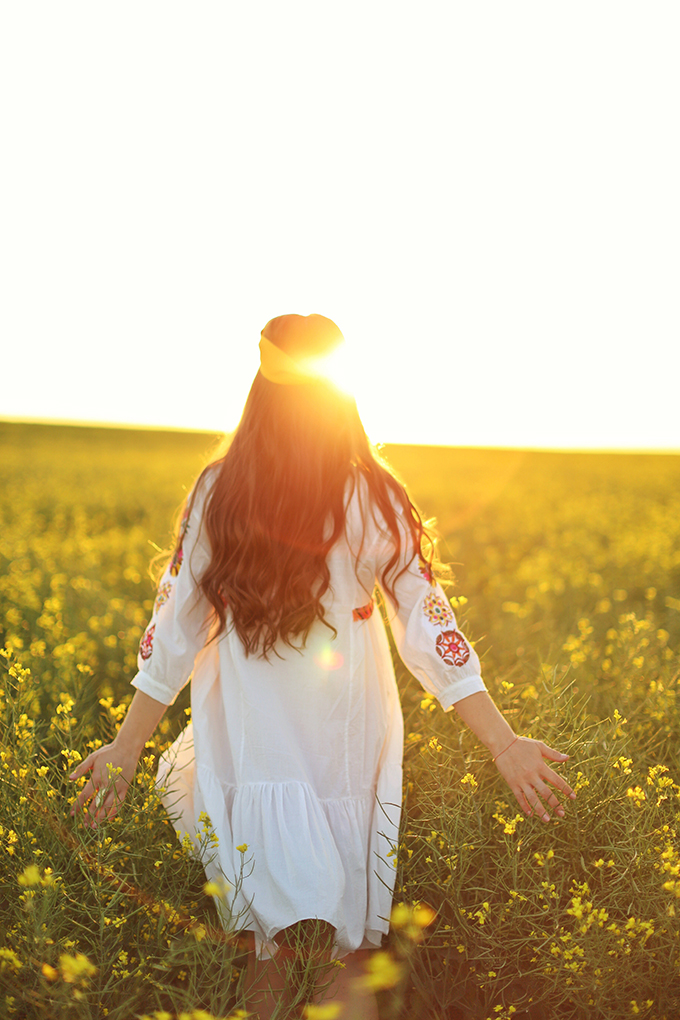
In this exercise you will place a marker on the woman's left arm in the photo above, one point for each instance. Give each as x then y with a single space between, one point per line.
106 788
520 760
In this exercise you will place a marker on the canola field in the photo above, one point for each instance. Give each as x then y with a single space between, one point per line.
567 579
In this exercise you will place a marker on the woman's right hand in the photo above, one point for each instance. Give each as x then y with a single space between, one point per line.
112 770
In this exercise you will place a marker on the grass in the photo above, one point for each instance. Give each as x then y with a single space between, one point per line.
568 581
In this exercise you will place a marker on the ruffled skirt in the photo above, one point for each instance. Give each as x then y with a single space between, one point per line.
286 854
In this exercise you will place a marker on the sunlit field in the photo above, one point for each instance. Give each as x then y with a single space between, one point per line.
567 572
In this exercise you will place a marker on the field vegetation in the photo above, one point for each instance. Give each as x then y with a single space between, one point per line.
568 581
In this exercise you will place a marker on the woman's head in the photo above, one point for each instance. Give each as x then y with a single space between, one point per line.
303 336
298 423
278 503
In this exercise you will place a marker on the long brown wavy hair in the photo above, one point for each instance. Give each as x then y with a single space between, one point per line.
277 507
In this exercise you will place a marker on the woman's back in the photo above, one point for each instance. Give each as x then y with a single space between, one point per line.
298 754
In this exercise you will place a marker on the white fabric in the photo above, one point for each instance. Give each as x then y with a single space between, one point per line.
300 757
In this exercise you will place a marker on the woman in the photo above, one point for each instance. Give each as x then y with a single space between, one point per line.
295 746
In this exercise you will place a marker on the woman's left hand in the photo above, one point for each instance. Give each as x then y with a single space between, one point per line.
526 772
112 769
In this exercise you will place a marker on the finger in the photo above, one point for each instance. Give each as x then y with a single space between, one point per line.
523 802
92 789
551 753
81 769
95 806
87 791
106 808
548 796
112 796
560 784
536 805
98 814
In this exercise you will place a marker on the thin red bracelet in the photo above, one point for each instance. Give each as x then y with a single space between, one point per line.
505 749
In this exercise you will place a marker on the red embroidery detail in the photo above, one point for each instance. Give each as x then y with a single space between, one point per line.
424 569
363 612
146 644
453 648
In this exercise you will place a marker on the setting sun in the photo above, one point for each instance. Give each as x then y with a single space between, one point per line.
492 232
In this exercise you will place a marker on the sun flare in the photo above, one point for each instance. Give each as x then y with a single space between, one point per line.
339 368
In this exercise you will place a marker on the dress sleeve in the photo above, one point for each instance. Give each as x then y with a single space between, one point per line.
178 628
425 631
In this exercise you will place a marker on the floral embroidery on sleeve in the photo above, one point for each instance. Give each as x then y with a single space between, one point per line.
437 610
146 644
163 595
453 648
450 644
178 554
363 612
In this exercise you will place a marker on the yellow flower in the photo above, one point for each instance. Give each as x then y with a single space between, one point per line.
29 876
637 795
49 972
412 919
242 847
401 914
469 780
428 703
328 1012
382 972
8 958
423 915
212 889
75 969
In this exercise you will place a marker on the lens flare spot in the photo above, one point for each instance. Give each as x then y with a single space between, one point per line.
338 367
328 658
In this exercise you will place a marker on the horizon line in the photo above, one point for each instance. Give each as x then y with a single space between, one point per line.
142 427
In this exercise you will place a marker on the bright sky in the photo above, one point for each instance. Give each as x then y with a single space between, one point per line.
483 195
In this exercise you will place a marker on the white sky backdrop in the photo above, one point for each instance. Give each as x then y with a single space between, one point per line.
483 195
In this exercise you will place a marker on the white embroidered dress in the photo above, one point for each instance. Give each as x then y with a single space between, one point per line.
300 757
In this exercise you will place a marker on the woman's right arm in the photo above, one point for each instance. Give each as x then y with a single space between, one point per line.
432 647
520 760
